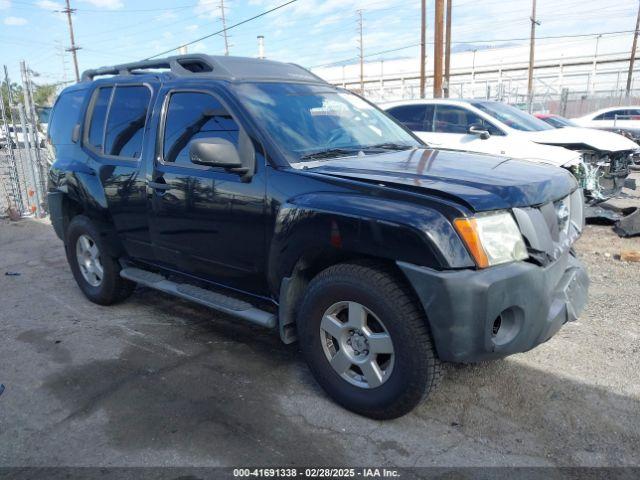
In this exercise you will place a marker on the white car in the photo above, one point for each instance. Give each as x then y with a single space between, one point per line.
600 160
620 117
17 135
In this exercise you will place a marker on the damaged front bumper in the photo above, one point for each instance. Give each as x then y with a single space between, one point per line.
603 177
479 315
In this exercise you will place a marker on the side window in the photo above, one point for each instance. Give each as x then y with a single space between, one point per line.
611 115
126 120
454 119
411 116
95 136
65 116
192 115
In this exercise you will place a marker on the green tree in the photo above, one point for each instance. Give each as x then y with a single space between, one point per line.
44 95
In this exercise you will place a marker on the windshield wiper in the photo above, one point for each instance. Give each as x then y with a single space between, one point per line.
388 146
329 153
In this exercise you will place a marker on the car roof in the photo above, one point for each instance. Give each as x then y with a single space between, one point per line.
611 109
202 66
425 101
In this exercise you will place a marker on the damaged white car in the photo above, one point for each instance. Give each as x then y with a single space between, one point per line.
600 160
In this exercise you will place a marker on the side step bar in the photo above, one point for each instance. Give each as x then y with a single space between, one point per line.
216 301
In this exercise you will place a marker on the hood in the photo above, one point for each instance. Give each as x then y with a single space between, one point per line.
482 182
591 138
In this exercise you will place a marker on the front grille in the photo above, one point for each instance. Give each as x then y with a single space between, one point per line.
551 229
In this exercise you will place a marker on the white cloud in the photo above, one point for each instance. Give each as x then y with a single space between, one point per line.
167 15
15 21
192 28
207 8
4 4
106 4
49 5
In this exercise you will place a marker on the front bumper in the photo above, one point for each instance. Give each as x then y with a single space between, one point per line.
479 315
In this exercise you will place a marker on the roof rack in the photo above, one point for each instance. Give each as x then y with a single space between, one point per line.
219 67
178 65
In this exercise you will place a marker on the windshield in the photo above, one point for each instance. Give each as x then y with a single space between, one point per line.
559 122
314 121
513 117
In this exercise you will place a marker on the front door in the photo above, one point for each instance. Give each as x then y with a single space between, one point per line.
451 130
206 221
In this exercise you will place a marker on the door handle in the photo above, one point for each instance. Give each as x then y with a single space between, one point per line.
159 186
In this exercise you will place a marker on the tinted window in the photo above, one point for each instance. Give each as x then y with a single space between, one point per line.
127 117
98 116
66 114
414 117
621 114
512 116
191 116
453 119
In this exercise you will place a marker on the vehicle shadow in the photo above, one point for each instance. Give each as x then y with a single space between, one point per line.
217 388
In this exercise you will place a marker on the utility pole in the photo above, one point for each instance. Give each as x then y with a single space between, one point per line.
437 49
361 48
447 50
224 28
423 47
532 48
73 49
632 58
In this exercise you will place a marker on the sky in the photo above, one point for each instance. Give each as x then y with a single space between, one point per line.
309 32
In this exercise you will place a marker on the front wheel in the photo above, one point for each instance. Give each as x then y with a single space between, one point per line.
95 271
366 341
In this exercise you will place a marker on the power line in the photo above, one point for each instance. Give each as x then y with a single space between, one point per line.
224 29
405 47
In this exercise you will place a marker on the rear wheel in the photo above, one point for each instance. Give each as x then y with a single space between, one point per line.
366 341
95 271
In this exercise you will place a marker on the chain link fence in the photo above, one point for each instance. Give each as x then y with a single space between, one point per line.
24 156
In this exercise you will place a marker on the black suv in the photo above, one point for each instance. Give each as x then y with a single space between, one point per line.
258 189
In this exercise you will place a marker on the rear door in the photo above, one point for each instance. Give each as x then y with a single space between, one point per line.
418 118
114 138
206 221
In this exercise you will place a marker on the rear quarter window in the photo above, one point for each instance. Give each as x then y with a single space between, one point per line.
66 114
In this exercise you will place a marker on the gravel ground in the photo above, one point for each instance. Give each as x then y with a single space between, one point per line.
157 381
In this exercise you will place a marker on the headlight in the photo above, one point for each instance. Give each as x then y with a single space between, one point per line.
492 238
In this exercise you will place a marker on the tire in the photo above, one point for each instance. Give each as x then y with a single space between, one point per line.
108 287
412 370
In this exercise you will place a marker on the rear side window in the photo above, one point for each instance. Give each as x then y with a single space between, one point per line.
414 117
65 116
194 115
126 120
101 98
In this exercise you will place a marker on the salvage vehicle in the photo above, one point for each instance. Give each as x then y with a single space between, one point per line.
257 189
623 121
612 117
599 160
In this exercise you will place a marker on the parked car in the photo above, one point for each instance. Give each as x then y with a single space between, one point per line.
255 188
556 121
612 117
617 120
17 137
599 160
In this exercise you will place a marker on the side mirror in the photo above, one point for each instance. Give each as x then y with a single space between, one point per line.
479 130
216 152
